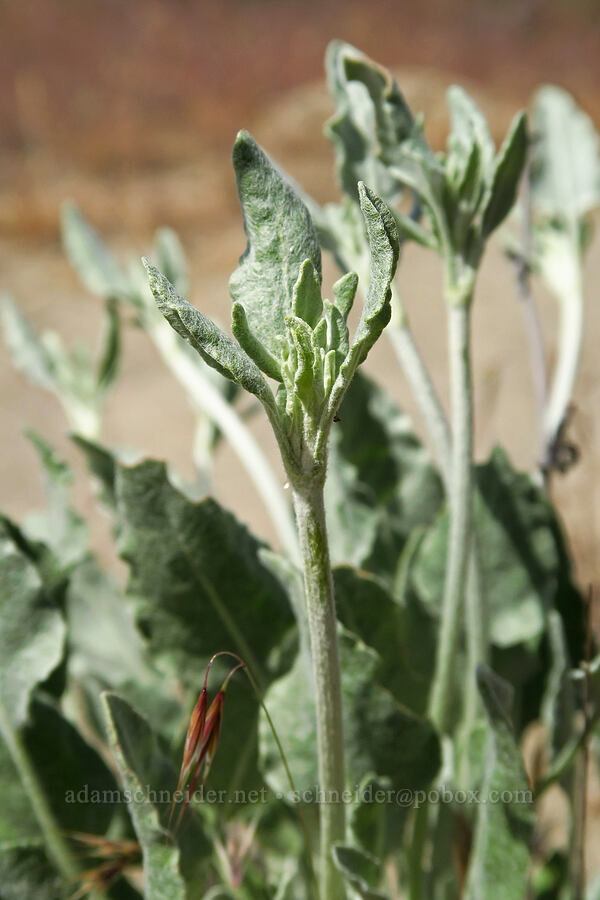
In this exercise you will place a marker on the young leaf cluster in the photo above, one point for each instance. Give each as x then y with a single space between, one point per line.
462 194
284 329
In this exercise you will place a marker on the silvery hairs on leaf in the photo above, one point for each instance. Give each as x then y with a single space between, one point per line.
214 346
281 236
384 250
565 165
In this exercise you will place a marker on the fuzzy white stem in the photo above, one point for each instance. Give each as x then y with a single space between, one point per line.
320 607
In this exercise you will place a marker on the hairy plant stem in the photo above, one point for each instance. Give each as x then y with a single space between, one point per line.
420 828
436 423
207 398
569 351
320 607
422 387
477 632
460 507
55 844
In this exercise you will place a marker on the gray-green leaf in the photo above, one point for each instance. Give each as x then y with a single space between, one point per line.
501 856
507 174
143 767
520 557
380 736
280 236
360 869
214 346
381 483
78 786
469 127
94 263
59 526
171 259
384 250
565 166
252 345
32 632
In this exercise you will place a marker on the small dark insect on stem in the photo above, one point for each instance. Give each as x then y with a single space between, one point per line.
561 453
583 765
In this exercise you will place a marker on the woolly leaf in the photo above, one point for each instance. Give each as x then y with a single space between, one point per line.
301 338
73 776
500 859
565 165
344 292
469 127
143 768
171 259
250 343
32 631
307 302
380 735
214 346
191 600
361 870
381 484
89 256
507 174
280 236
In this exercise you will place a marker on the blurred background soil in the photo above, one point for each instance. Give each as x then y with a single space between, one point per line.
130 108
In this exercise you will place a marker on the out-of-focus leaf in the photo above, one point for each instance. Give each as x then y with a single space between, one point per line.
88 254
558 705
372 122
380 484
593 891
395 629
101 464
380 736
69 373
25 871
280 236
59 525
500 859
143 768
362 871
565 166
171 259
376 826
32 631
507 174
550 880
384 249
520 557
191 600
80 790
28 352
469 127
102 637
110 347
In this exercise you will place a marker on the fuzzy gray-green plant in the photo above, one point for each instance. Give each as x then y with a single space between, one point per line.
418 614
